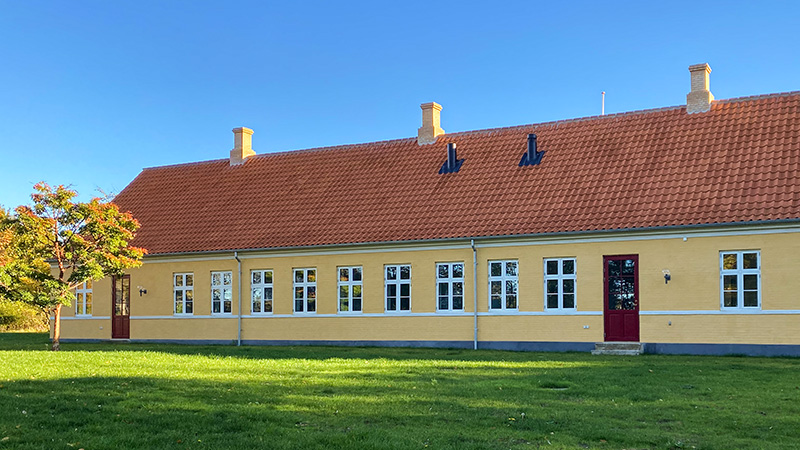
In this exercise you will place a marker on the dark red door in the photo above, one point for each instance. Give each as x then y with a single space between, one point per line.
121 307
621 285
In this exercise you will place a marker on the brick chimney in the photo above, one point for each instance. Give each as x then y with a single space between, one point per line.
242 145
430 129
699 98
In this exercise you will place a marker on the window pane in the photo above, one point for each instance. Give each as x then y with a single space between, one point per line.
628 266
298 293
443 289
751 282
298 306
405 303
552 267
178 308
256 307
312 276
730 299
552 286
552 301
729 261
344 274
298 276
391 290
568 266
189 295
88 303
458 288
496 302
216 279
189 280
311 292
216 295
88 284
569 286
357 304
569 300
458 271
227 278
729 282
443 271
343 304
511 268
391 303
344 292
357 274
750 260
257 295
458 302
215 307
613 268
268 276
256 277
511 286
511 301
268 293
227 306
443 302
268 306
312 305
405 290
496 269
227 294
357 291
750 299
189 308
497 287
614 301
391 273
405 272
178 280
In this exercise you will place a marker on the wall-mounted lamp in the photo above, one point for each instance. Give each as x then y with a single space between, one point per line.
667 276
141 290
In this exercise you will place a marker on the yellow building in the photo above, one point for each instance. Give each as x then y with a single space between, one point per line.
676 230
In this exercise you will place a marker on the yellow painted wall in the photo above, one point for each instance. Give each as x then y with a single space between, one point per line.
694 265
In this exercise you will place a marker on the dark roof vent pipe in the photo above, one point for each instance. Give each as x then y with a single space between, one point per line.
453 164
533 156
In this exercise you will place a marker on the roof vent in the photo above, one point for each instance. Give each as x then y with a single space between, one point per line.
242 145
430 129
532 157
700 97
453 164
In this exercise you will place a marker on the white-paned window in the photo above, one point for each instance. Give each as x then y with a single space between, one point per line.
397 283
305 290
559 284
261 289
503 285
450 286
349 290
83 299
183 287
740 279
221 292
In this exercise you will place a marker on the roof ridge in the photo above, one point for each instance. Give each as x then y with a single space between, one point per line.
757 97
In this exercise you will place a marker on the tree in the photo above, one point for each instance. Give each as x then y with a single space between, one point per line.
67 243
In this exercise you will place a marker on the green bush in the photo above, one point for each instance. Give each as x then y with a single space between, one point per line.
19 316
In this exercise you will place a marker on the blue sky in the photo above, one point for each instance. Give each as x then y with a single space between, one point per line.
94 91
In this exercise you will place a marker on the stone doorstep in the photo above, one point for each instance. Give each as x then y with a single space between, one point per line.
618 348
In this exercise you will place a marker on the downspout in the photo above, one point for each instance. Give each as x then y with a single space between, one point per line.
239 334
474 293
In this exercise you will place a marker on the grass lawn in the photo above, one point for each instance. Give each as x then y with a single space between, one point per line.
127 396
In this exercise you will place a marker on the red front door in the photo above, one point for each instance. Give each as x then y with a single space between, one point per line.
621 286
121 307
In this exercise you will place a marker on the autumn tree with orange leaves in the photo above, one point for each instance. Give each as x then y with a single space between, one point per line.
69 243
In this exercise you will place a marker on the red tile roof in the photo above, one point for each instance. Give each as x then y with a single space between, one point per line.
739 162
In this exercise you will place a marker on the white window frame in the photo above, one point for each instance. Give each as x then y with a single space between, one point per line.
740 273
350 284
560 277
398 284
502 278
83 299
183 289
223 288
450 281
262 288
305 285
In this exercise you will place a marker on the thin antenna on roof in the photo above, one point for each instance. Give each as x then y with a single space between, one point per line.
603 105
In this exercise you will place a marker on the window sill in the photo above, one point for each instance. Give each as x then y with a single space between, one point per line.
350 313
183 314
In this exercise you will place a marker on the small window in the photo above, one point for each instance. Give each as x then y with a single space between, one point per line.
183 288
503 285
83 299
261 291
449 287
740 280
559 284
221 292
397 282
305 290
349 290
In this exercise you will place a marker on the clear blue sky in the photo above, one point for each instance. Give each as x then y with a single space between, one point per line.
93 91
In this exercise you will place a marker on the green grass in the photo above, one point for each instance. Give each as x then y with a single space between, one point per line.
104 396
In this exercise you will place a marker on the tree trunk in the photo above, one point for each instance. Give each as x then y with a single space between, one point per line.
57 330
